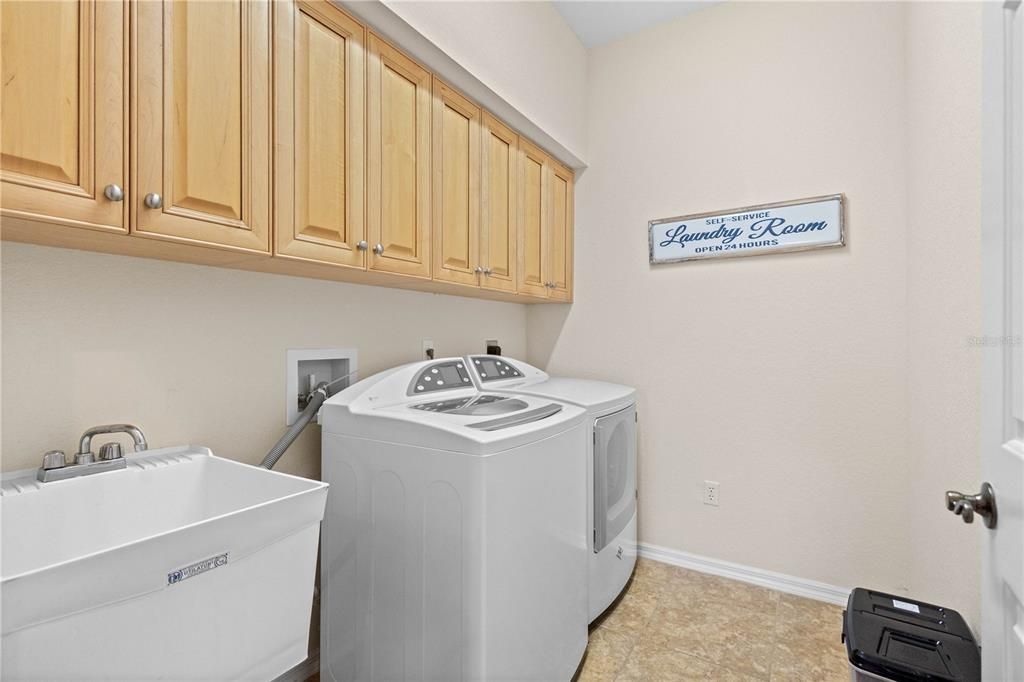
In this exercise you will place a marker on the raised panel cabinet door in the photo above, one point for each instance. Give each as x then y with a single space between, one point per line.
201 122
499 231
398 160
62 112
456 187
318 151
534 221
561 234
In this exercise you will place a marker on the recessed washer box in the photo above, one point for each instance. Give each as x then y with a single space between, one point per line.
324 364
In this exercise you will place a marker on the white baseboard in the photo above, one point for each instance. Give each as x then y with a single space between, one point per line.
801 587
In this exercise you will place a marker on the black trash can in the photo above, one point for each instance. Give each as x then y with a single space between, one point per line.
895 638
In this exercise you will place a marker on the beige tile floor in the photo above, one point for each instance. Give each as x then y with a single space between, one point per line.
674 624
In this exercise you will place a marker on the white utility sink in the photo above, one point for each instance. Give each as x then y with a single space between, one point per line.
182 566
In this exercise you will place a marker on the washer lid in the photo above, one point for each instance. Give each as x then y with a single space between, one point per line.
455 418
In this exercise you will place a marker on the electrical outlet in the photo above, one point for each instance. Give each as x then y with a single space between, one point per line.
711 493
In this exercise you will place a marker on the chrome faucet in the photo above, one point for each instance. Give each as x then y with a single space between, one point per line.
56 468
85 443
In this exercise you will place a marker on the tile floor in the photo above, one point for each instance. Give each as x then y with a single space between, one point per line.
674 624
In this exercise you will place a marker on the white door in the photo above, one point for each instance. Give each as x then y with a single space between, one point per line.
1003 369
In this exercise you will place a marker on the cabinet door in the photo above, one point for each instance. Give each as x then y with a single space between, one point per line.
499 234
202 122
561 234
318 152
534 219
62 112
398 161
456 185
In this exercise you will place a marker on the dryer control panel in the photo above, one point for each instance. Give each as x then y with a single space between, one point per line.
493 368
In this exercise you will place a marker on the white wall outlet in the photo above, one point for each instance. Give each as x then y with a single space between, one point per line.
428 349
711 493
314 365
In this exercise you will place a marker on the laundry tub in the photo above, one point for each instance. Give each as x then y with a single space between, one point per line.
183 566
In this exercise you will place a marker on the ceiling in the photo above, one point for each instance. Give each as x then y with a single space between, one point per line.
597 22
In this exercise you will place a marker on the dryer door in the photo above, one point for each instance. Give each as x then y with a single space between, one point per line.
614 474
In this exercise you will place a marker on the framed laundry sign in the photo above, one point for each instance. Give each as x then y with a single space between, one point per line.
798 225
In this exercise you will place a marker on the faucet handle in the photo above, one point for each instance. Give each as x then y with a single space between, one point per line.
54 459
110 451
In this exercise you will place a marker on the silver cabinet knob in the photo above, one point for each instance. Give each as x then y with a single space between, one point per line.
966 506
153 200
378 249
488 271
109 451
113 192
362 245
478 270
54 459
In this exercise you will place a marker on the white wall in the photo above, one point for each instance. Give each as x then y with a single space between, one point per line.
523 51
790 379
944 275
196 354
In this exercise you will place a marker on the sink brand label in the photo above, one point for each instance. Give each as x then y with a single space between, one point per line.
197 568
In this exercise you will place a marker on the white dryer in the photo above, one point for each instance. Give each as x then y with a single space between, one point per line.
454 541
611 464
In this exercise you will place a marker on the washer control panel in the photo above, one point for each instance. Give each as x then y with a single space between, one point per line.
493 368
441 376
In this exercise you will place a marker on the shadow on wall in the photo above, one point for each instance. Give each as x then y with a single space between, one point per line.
545 324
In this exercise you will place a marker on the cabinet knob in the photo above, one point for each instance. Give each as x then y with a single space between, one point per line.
378 249
153 200
488 271
113 192
478 269
362 245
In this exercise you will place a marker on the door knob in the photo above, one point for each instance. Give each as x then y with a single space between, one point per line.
966 506
113 192
362 245
378 249
153 200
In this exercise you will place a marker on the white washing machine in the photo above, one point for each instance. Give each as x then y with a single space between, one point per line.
611 464
454 542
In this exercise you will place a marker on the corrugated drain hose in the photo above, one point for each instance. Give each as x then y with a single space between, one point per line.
316 398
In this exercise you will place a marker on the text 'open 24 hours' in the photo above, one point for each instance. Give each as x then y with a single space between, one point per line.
768 228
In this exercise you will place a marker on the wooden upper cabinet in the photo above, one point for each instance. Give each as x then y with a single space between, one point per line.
398 160
201 122
319 157
561 234
533 224
456 186
62 112
499 215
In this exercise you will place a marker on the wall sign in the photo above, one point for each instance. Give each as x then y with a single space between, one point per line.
769 228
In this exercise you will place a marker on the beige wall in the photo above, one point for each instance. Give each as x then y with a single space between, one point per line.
196 354
943 286
523 51
787 378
